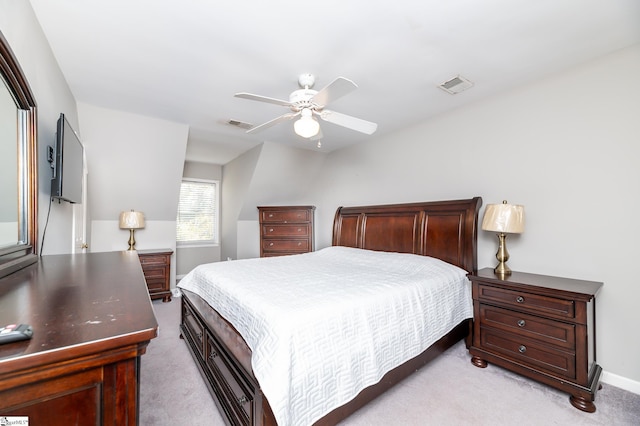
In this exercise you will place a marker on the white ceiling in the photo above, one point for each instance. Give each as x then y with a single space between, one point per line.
183 60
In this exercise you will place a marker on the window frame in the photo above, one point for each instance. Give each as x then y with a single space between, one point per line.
202 243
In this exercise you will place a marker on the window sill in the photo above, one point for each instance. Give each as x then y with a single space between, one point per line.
196 245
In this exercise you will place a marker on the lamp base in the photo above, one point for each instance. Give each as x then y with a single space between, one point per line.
502 269
132 240
502 255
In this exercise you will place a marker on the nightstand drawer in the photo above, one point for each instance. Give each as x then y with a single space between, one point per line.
530 352
528 302
147 259
286 216
154 272
155 285
545 330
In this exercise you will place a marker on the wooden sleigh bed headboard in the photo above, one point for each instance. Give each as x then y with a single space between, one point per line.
446 230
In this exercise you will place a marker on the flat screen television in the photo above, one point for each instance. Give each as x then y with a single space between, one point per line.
66 183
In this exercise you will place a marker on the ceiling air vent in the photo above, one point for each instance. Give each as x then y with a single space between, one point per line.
456 85
240 124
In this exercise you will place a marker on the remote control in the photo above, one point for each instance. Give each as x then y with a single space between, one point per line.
15 332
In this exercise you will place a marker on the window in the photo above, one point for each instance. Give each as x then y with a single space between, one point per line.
197 221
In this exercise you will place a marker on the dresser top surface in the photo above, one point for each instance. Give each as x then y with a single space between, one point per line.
88 302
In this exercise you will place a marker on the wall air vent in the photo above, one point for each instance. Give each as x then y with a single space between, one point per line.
456 85
240 124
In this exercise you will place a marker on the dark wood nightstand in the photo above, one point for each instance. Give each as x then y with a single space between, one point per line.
539 326
156 265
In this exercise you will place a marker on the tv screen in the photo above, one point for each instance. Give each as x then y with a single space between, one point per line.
66 184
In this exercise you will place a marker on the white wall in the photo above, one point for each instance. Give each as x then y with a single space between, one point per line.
22 30
236 180
282 175
135 162
567 148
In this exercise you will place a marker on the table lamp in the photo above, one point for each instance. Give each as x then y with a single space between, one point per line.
504 219
131 220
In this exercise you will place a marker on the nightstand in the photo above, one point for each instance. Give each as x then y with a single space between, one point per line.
156 265
539 326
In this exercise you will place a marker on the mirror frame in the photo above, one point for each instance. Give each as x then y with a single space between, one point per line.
24 253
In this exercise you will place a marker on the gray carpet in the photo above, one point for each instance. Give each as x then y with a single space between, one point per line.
448 391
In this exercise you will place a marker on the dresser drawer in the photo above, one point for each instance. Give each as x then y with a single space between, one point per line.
237 397
532 303
530 352
301 246
286 216
542 329
286 231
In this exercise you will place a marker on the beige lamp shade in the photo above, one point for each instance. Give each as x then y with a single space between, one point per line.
504 218
131 220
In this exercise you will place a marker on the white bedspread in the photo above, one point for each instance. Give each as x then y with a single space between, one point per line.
322 326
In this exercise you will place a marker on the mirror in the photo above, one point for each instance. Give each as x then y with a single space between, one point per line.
8 168
18 166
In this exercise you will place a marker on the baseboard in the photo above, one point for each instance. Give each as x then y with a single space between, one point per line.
621 382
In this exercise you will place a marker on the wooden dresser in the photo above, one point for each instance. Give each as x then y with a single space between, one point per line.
156 265
541 327
286 230
92 320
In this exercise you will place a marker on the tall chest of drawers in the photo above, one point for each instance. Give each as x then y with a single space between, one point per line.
539 326
286 230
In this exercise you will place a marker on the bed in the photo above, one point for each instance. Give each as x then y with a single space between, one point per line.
438 232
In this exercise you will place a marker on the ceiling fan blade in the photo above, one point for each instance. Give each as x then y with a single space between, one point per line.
271 123
334 90
348 121
267 99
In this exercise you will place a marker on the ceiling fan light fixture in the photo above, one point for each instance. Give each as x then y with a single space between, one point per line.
306 126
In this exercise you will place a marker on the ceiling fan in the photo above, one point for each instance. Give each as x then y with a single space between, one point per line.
307 104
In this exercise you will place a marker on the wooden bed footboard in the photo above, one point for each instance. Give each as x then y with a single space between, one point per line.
446 230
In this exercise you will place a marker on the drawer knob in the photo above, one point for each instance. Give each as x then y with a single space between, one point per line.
270 244
299 244
520 299
521 323
242 400
270 214
299 229
522 349
270 229
213 355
